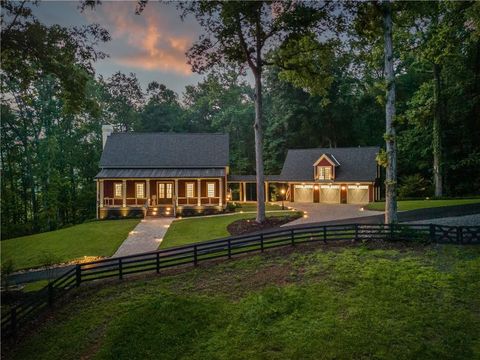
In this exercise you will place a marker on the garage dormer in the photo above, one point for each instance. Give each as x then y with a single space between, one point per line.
324 167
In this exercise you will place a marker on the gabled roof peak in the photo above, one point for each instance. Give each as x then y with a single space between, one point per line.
329 157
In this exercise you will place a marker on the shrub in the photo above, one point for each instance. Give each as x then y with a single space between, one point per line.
414 186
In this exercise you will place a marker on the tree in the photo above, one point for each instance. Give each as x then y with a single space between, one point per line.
162 111
374 22
243 33
390 134
124 98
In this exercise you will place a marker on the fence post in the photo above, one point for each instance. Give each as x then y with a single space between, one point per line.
50 294
261 242
158 262
13 320
356 232
195 260
459 235
324 234
229 249
78 274
432 233
120 269
292 237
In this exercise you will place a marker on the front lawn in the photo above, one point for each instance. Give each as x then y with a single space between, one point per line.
340 303
189 230
96 238
252 207
404 205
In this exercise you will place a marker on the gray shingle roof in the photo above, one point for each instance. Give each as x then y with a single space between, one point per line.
160 173
165 150
356 163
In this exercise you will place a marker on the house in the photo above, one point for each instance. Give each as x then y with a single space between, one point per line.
161 174
171 174
320 175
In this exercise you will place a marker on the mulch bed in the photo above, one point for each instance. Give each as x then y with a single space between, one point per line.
245 226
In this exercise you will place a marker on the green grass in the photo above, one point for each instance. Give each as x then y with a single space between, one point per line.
96 238
35 286
253 207
421 204
351 303
189 230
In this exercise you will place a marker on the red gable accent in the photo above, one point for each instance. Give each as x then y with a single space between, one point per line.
324 162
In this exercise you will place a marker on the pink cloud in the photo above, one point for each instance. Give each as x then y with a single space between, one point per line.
156 39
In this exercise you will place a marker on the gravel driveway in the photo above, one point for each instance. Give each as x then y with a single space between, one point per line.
467 220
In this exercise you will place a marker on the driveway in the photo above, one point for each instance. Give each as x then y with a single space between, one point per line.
316 212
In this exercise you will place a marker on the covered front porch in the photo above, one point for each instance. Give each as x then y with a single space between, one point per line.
159 196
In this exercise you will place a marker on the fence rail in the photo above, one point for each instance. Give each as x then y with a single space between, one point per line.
20 314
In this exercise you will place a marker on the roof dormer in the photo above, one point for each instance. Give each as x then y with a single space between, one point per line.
324 167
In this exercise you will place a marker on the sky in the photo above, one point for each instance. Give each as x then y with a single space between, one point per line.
151 45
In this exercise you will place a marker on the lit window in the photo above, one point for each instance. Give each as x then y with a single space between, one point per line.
190 190
324 173
117 190
210 189
161 191
140 190
169 191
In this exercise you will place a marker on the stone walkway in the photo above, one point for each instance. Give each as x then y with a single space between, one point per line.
146 236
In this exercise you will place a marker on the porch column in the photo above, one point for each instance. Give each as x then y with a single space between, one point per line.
244 185
220 188
266 191
124 193
240 192
199 191
97 184
176 192
101 192
147 189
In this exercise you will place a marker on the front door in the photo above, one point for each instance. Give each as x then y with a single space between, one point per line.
165 192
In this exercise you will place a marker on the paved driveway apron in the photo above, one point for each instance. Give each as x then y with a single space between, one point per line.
328 212
146 236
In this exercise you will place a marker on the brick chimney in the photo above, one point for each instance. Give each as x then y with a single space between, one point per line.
106 131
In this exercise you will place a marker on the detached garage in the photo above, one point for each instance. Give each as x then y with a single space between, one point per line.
303 193
331 175
357 194
330 194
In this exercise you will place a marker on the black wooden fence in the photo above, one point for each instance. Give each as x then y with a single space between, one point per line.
20 314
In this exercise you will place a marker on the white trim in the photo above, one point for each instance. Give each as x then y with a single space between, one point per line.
328 159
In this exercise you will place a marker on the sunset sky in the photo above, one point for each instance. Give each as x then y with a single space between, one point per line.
152 44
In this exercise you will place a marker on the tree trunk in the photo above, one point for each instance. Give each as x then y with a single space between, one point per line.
437 133
259 148
391 173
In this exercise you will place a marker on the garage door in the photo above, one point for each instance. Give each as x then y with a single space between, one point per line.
303 193
357 194
330 194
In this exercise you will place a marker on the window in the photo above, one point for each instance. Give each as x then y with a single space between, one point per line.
140 190
324 172
210 189
169 190
189 190
117 190
161 191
